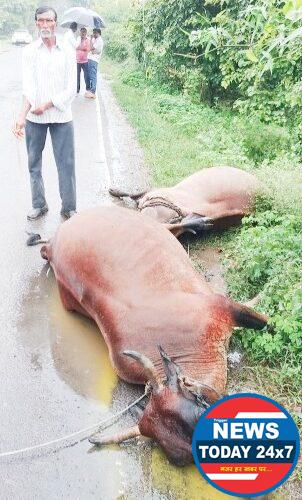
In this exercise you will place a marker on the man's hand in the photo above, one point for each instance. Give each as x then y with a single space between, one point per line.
18 128
40 110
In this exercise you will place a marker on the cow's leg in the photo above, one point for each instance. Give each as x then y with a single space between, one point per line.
117 438
118 193
192 224
69 301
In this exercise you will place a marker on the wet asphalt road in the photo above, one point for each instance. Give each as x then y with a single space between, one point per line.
54 370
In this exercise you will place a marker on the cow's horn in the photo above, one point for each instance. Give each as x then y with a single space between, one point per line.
172 369
117 438
149 368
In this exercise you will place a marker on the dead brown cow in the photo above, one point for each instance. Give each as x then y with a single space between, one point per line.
136 281
216 197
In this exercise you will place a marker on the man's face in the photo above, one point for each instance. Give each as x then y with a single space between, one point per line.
46 24
96 34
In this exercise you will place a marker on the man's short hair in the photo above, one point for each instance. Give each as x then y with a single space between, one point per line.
43 9
74 26
97 30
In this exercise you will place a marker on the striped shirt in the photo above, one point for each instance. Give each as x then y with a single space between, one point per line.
49 75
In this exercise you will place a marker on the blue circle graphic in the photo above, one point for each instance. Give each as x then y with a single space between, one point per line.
246 445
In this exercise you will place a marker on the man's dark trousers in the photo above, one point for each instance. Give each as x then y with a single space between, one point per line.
84 67
62 137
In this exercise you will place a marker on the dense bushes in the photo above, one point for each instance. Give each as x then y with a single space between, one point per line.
117 42
268 256
248 53
265 143
161 41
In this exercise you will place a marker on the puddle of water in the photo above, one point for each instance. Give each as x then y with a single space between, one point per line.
79 352
209 262
181 484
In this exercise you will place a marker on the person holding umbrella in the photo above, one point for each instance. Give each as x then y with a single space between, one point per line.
82 58
94 56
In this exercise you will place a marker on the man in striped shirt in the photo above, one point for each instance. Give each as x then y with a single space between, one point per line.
49 87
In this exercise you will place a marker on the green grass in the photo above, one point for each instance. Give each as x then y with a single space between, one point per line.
175 142
180 137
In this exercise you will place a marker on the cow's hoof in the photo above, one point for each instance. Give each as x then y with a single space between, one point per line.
33 239
117 193
96 441
194 222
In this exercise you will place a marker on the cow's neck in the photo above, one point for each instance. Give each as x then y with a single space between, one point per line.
162 211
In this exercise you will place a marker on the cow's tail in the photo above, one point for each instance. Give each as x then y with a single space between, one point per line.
118 193
246 317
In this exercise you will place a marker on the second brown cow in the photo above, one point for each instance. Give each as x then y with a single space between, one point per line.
216 197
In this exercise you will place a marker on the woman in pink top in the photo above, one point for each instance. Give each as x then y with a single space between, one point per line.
82 58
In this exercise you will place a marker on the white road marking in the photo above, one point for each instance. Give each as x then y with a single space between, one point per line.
106 171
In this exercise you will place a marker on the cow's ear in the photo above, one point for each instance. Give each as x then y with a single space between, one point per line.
207 393
247 317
